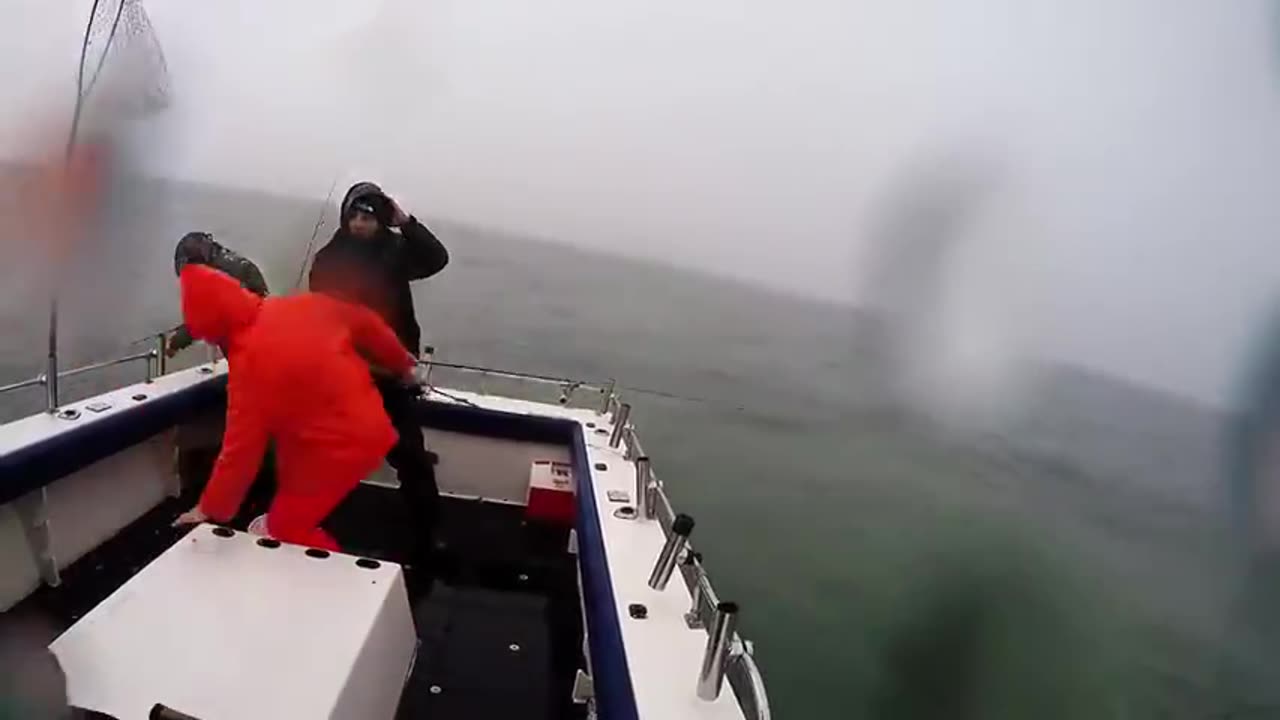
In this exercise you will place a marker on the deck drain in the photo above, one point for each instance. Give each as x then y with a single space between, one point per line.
268 543
368 564
206 370
139 397
317 553
626 512
601 466
69 414
601 431
637 611
224 532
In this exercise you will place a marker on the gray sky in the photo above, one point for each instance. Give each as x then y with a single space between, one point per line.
1137 143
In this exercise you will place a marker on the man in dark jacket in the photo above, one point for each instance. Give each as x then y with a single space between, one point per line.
376 252
199 248
200 440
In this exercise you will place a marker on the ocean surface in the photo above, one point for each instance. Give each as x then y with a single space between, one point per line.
1069 561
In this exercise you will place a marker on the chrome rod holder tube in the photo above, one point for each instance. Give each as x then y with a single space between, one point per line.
643 478
715 658
620 424
608 397
677 541
153 364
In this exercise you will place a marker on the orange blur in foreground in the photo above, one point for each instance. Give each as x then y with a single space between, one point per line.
52 205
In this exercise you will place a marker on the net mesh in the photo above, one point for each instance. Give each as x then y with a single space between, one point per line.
124 69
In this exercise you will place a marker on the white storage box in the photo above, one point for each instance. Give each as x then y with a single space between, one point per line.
232 628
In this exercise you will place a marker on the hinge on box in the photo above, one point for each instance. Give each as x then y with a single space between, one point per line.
583 688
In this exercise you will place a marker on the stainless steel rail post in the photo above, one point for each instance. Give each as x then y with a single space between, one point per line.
693 618
716 657
670 555
644 503
428 354
51 362
608 397
162 358
620 424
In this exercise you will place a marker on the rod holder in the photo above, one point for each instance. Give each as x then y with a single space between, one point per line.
620 424
716 657
677 541
644 477
153 364
608 397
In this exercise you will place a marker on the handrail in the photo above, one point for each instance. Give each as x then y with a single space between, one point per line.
148 355
155 359
37 380
516 375
743 671
753 698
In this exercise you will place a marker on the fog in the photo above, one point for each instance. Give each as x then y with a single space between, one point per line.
1127 151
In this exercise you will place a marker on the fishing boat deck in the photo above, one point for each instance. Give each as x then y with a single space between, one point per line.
505 601
497 613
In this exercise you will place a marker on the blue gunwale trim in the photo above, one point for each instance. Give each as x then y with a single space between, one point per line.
615 696
36 465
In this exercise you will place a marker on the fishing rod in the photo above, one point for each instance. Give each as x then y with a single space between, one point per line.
315 232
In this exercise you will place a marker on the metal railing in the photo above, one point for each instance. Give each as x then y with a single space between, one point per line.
728 655
156 366
567 386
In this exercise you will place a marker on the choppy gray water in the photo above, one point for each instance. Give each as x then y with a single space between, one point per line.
1073 567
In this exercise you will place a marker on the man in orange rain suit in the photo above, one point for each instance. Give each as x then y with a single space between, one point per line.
299 377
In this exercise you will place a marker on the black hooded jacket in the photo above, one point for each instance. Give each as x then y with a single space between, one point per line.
376 272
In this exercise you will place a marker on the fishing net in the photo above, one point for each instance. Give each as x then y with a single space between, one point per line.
123 70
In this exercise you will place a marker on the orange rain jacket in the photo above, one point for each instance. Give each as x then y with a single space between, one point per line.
299 377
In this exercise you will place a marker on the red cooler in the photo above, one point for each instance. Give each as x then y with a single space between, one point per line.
551 493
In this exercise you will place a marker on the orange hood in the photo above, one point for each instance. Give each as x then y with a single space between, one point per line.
214 306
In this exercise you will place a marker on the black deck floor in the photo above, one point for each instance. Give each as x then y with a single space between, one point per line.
497 610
